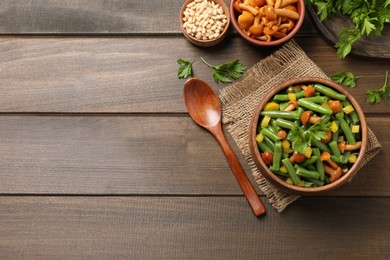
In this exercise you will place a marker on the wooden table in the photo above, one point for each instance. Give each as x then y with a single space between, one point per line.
99 158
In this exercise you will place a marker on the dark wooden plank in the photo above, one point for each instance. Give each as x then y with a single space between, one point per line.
137 155
136 74
111 155
86 17
191 228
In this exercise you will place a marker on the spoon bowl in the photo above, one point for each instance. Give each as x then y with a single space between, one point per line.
205 109
198 92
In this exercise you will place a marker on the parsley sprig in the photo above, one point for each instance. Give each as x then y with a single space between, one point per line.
185 69
301 138
377 95
368 17
348 79
225 72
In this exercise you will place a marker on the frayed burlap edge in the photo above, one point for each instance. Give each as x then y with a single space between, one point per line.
241 98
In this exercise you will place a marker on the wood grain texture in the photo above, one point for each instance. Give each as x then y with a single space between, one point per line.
135 75
137 155
95 17
88 17
191 228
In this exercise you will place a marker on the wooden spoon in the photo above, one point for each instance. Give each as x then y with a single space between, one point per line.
205 109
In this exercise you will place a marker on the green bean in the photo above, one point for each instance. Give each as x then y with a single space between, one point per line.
345 127
329 92
316 182
286 124
319 164
268 132
291 171
282 175
300 110
269 143
323 147
275 127
309 161
277 156
353 115
314 107
283 106
317 99
281 114
311 167
335 135
306 173
334 147
264 147
326 179
308 184
272 127
340 159
285 97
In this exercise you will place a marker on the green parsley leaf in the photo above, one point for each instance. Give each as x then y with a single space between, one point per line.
373 96
301 138
368 17
378 95
227 71
185 69
348 79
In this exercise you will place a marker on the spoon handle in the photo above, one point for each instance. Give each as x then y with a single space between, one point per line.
251 195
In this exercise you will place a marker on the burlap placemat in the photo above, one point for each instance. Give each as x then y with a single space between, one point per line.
241 98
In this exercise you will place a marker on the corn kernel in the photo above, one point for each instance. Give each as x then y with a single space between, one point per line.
271 106
326 104
292 97
265 121
289 181
283 169
334 127
308 152
285 144
259 137
301 184
355 129
352 158
348 109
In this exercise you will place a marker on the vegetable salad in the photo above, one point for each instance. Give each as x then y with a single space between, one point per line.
309 135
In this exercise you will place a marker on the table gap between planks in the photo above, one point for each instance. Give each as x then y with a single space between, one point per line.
99 158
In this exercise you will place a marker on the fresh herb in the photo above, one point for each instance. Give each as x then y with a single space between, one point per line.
227 71
378 95
368 17
302 138
185 69
345 78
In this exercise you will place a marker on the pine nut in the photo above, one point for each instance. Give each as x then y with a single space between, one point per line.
204 19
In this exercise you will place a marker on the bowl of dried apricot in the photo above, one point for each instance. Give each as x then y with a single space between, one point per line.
308 136
267 22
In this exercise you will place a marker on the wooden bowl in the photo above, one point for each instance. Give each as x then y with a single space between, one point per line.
256 42
206 43
275 180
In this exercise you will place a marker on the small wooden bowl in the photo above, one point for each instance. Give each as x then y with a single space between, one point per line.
206 43
256 42
275 180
